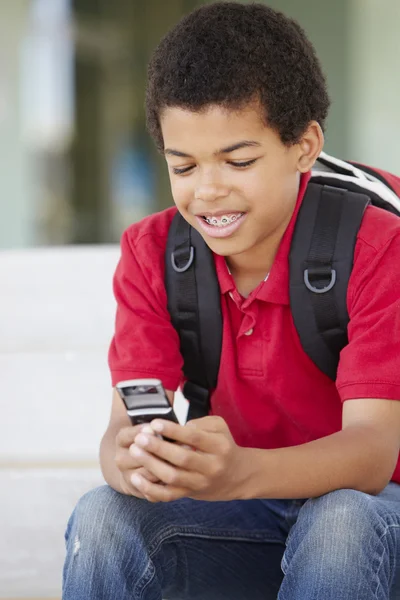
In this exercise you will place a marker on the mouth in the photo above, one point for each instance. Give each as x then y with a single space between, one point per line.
220 225
222 220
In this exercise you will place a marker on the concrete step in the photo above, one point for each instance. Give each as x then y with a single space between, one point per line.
56 320
35 505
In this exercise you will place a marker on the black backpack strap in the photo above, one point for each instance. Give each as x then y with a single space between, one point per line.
321 261
195 308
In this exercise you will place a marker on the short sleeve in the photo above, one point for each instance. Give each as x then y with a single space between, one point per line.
145 344
369 365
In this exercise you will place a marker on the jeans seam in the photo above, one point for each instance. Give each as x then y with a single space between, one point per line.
145 580
232 538
225 535
284 561
384 534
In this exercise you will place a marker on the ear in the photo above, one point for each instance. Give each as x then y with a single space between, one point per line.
310 147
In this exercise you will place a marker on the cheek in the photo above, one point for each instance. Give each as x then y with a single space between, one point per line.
258 195
268 206
181 193
259 185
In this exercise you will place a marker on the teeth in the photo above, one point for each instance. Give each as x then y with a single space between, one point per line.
223 220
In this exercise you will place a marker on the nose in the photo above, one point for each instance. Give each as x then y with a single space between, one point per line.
209 192
210 183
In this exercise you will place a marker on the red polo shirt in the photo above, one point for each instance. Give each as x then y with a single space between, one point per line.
269 391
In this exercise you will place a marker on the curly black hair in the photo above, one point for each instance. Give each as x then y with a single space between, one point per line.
228 53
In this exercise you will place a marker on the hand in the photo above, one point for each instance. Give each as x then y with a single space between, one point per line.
127 463
205 463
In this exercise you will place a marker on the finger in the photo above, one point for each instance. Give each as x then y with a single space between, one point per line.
158 493
200 439
127 487
212 424
169 474
147 475
179 455
126 480
126 436
125 460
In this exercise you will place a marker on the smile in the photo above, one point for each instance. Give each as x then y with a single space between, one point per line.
222 226
223 220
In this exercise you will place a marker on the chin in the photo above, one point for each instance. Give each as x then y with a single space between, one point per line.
227 247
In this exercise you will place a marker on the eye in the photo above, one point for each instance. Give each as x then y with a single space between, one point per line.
242 165
179 171
239 165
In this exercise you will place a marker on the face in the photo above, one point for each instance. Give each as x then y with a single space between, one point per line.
233 179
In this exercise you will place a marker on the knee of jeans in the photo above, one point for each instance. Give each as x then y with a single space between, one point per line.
100 518
334 527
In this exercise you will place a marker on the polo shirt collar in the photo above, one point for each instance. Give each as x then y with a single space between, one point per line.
276 288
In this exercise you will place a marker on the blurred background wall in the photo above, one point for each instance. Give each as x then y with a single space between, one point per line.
76 163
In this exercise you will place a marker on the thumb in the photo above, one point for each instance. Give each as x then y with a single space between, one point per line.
211 424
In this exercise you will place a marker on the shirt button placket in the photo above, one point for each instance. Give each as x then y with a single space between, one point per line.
250 348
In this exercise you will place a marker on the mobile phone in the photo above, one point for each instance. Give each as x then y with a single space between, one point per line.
145 400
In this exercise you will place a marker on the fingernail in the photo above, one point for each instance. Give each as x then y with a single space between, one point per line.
142 439
135 450
147 429
157 426
136 480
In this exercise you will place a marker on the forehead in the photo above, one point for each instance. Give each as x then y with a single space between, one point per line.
214 125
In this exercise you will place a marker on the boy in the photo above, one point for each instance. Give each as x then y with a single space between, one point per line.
290 488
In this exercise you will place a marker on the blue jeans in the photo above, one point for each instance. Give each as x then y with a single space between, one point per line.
344 545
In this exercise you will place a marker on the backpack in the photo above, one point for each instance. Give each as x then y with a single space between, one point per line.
320 264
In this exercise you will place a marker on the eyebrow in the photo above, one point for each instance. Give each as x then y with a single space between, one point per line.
227 150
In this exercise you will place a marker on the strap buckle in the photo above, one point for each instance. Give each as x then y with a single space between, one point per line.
182 253
324 272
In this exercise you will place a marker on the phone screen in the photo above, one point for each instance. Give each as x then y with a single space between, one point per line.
142 397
